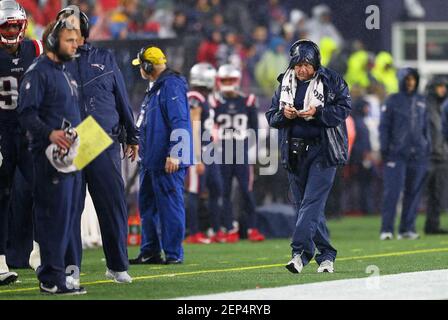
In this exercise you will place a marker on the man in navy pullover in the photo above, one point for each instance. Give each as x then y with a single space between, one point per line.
48 101
103 96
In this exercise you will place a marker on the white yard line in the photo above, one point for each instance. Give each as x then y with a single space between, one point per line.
403 286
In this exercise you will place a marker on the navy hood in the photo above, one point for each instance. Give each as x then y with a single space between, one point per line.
433 83
403 73
304 51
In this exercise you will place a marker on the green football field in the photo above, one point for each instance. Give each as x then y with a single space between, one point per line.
218 268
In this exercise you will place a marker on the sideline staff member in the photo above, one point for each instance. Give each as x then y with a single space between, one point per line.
164 109
103 96
309 108
48 98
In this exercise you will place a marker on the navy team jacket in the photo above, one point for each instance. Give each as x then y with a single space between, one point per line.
48 96
102 92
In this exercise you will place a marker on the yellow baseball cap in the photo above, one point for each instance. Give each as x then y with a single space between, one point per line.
151 54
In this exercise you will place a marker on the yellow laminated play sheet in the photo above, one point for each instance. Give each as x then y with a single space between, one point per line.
93 141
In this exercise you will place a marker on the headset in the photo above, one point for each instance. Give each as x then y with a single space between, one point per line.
52 41
84 20
294 50
146 65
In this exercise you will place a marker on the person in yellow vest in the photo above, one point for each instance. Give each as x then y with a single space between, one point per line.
358 69
385 73
328 46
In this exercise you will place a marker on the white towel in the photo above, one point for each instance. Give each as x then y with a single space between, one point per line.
314 95
289 87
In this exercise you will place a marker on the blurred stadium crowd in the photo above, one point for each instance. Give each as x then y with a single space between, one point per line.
255 35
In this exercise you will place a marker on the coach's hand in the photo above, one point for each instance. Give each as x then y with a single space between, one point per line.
58 137
131 151
290 112
171 165
309 113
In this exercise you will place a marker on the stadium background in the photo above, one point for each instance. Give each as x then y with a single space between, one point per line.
256 36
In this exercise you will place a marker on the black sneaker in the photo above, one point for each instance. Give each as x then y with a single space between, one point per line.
436 231
150 259
8 278
55 290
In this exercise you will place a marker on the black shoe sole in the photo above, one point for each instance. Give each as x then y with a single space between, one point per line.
63 293
75 292
173 262
146 262
9 280
291 268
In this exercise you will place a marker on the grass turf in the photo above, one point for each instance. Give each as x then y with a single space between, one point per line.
218 268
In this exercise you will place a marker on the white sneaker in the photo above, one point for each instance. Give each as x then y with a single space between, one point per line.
119 277
295 265
326 266
410 235
34 260
72 283
8 278
386 236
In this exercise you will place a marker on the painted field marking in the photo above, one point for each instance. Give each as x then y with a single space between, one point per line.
170 275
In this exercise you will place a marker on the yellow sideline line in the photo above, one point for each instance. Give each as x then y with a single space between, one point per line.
169 275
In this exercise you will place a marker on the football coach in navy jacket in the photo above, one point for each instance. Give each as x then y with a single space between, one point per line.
405 148
48 101
165 152
103 96
309 108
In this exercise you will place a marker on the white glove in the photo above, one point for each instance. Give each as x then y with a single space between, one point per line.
1 159
62 159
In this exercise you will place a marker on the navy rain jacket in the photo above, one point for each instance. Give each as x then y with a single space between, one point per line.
103 92
331 117
404 129
164 109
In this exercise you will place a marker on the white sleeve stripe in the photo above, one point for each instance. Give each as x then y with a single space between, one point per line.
41 48
250 100
38 46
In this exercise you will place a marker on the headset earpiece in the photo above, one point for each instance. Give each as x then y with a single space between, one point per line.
52 41
146 65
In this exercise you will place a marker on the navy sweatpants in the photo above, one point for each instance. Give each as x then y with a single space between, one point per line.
310 186
406 176
55 206
20 225
13 147
162 213
105 182
213 180
244 176
195 185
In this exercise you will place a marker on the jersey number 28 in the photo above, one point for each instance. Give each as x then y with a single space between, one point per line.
238 123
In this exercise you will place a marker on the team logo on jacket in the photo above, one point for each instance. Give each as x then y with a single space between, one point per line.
99 66
319 96
16 61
